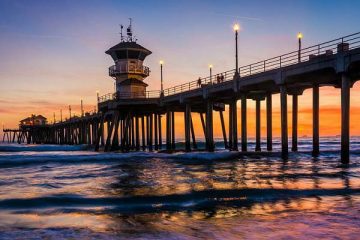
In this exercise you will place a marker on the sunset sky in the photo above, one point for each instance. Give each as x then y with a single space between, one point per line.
52 52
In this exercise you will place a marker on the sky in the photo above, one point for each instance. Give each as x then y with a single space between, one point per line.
52 53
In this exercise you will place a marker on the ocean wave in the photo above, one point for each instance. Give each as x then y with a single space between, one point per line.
20 159
174 202
41 147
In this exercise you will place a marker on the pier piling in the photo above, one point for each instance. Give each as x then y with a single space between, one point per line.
315 151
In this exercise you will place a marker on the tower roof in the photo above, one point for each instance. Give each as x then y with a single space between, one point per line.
128 46
128 50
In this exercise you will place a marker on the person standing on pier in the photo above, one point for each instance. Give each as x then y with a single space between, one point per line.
199 82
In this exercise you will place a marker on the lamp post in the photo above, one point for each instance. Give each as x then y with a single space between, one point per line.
161 77
69 112
82 108
210 68
54 118
97 100
61 115
236 28
299 36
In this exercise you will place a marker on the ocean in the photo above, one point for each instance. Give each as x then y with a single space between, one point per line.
72 192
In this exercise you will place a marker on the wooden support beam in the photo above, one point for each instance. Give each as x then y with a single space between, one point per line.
143 133
315 151
203 125
234 125
132 133
160 131
173 144
168 130
230 126
115 141
223 129
115 118
284 122
187 121
209 127
14 136
137 133
294 140
258 126
345 119
269 122
100 133
243 124
156 132
127 123
193 134
151 132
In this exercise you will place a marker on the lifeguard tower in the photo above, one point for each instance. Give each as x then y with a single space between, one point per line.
129 72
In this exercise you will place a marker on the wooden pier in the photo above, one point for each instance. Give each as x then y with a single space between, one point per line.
133 123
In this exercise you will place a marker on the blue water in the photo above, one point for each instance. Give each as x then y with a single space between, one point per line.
71 192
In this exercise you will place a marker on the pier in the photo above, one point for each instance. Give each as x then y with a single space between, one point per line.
131 120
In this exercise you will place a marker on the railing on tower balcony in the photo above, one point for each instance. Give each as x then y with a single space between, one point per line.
137 95
308 54
128 68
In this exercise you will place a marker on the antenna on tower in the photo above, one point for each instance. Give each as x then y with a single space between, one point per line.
121 32
129 31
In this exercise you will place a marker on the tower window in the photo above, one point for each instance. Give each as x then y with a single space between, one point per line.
133 54
121 54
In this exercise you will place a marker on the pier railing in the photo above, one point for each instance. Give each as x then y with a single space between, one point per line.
201 82
137 95
318 51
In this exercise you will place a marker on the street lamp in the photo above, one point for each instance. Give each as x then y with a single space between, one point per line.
70 112
82 108
210 68
161 76
61 115
97 100
299 36
236 28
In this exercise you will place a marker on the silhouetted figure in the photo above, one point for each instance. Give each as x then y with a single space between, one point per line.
218 79
199 82
222 78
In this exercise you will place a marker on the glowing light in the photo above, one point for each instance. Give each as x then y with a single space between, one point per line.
236 27
161 62
299 35
210 66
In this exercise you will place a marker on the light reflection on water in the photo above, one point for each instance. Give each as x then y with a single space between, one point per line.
80 194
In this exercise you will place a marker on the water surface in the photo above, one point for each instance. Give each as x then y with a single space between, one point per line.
57 192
